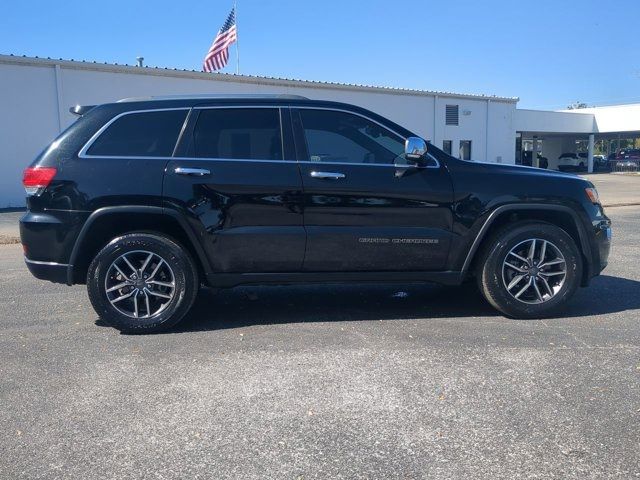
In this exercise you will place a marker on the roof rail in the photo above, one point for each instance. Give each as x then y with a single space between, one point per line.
213 96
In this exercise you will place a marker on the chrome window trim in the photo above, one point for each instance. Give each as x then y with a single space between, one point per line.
213 159
94 137
101 130
310 107
248 105
396 165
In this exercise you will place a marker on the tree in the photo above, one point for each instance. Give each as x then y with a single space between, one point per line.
577 105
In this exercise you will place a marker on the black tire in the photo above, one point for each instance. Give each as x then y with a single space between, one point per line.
180 266
490 275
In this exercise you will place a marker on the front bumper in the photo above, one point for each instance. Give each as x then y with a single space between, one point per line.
603 243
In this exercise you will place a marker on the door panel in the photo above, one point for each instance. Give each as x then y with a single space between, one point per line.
372 214
247 211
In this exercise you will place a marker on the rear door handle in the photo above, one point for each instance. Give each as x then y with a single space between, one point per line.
327 175
194 172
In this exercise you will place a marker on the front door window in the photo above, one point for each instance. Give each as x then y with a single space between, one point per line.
340 137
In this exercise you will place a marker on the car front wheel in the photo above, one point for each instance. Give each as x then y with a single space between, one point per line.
142 283
530 270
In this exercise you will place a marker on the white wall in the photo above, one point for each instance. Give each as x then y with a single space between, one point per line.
553 122
617 118
28 122
502 133
470 127
81 87
488 124
35 96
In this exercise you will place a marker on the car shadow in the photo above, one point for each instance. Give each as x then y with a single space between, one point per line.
246 306
605 295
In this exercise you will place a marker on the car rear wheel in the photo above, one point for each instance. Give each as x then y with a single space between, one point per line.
530 270
142 283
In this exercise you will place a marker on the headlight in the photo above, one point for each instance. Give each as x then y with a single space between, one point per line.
592 193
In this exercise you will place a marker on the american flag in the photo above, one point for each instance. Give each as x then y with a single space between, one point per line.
218 54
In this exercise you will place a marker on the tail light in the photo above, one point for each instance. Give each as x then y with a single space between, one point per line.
36 179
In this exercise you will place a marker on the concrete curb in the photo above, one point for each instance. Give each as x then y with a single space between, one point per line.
613 205
9 239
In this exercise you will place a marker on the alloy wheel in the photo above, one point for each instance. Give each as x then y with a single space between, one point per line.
534 271
140 284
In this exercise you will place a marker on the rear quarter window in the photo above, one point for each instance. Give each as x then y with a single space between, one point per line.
140 134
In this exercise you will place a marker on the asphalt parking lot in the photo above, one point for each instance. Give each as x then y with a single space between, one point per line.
379 381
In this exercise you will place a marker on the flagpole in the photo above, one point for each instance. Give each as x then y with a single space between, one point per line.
235 10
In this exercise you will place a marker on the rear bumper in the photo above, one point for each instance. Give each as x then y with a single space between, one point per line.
47 238
53 272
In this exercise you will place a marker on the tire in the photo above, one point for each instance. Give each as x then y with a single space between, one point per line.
494 276
148 305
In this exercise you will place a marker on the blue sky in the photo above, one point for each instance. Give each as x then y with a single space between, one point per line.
548 53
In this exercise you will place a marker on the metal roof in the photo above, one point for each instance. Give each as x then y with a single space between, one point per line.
230 77
215 96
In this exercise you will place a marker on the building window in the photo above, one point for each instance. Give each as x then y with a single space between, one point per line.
446 146
465 150
452 115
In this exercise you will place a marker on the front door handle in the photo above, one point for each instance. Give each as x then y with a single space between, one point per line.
327 175
194 172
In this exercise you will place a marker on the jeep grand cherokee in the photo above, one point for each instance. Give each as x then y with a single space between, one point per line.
146 199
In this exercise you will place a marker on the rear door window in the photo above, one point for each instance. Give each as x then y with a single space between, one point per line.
140 134
238 134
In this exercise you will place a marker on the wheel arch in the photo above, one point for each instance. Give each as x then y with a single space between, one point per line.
559 215
107 223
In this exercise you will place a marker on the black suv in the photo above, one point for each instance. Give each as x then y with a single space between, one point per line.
146 199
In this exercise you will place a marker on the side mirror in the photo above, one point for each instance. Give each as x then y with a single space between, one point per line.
415 148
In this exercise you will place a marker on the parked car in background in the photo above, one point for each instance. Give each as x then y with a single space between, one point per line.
632 154
600 163
571 161
627 160
580 161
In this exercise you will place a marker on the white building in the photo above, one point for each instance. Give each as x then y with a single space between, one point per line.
36 94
